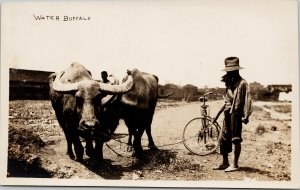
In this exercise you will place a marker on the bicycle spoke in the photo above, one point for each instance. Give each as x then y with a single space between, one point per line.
206 139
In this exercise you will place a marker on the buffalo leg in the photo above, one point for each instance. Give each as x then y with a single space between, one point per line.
99 150
129 143
70 151
137 145
137 134
78 149
89 147
151 144
148 124
77 145
136 126
69 143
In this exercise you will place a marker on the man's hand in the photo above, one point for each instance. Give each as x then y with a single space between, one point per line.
245 120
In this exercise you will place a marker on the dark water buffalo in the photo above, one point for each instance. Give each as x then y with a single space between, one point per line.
78 103
144 103
136 107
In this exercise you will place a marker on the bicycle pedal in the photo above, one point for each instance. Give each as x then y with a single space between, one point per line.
210 146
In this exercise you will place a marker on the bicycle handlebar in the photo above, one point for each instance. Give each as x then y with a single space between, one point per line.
207 93
202 98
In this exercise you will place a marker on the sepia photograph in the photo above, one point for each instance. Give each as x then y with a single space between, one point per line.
150 94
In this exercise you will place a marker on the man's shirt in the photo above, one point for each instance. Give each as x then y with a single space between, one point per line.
236 98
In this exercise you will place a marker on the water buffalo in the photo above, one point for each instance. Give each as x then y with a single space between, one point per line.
78 103
136 107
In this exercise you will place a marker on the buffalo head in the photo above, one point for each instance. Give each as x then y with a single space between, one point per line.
85 97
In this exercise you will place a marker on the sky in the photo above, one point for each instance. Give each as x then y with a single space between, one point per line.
182 42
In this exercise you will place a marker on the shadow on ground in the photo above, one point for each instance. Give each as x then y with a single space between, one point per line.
149 161
254 170
22 169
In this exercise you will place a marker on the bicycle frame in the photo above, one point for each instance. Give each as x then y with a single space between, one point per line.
204 114
204 130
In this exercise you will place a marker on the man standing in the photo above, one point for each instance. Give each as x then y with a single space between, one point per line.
237 109
108 79
104 76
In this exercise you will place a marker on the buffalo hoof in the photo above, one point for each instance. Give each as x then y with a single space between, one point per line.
80 160
90 152
129 148
98 161
72 157
138 154
153 148
134 154
95 162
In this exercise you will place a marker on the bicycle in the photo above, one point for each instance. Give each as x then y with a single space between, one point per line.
201 134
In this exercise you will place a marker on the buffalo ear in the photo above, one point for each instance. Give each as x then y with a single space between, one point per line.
52 77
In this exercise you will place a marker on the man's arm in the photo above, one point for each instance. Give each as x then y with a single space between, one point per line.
219 113
248 105
243 103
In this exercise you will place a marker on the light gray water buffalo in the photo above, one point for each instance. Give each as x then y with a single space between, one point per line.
77 101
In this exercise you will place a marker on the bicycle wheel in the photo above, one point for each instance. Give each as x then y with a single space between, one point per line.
199 139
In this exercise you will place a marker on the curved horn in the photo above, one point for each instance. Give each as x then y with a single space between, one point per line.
118 89
63 87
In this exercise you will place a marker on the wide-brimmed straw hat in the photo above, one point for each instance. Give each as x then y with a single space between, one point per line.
232 64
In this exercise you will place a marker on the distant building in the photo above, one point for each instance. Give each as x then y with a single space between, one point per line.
28 84
256 86
269 93
275 90
33 85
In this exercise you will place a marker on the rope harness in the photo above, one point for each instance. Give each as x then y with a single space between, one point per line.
170 144
121 142
121 155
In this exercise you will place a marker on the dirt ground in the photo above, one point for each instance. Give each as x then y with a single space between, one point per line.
37 146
